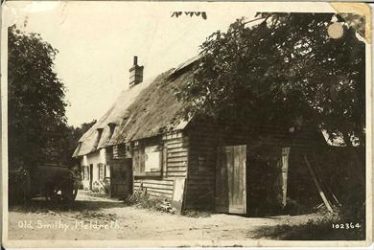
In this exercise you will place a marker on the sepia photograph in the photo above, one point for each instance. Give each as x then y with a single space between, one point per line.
186 124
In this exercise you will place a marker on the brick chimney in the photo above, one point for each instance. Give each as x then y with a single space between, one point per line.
136 73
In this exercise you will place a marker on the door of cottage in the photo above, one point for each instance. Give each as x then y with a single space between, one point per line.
121 178
91 176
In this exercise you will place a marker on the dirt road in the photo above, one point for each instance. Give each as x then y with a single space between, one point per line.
108 219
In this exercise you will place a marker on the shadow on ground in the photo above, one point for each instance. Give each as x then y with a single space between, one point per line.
41 206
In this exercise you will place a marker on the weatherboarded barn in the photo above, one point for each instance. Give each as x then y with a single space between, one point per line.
142 143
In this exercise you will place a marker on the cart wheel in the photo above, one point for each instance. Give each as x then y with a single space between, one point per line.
54 193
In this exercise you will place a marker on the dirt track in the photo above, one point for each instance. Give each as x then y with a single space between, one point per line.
108 219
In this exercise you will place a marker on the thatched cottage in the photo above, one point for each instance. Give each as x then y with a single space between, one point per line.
142 143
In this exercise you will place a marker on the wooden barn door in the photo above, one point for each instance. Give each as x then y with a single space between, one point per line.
231 188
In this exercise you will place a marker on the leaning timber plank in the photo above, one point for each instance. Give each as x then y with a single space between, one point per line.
316 182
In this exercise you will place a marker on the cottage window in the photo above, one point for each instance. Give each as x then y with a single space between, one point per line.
98 171
107 171
148 160
152 159
85 174
101 174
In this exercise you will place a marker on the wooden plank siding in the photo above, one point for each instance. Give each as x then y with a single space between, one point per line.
192 155
204 140
174 166
200 186
176 154
156 188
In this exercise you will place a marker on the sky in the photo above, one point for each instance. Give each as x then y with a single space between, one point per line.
97 41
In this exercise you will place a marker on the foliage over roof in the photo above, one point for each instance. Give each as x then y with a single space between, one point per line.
285 71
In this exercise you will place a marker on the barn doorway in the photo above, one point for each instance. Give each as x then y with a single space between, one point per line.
231 181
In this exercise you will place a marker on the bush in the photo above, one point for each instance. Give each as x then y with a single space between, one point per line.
196 213
102 187
140 198
106 184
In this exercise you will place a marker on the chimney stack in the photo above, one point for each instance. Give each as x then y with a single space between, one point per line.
136 73
135 60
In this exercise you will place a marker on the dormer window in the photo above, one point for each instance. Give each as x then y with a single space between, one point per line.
112 127
99 133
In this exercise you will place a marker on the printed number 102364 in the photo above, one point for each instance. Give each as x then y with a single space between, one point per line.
350 225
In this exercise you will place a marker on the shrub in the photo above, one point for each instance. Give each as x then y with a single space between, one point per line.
140 198
196 213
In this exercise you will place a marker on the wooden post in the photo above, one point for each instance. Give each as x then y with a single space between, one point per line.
320 191
284 174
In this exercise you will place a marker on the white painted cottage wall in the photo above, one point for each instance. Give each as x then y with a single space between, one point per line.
95 159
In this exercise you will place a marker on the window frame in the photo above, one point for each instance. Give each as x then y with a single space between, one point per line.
101 171
140 159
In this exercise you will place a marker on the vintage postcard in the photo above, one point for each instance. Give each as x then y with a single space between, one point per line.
186 124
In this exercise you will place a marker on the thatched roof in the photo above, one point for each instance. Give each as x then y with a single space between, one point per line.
145 110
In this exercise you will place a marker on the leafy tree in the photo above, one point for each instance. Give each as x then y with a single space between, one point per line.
36 105
283 72
83 128
73 134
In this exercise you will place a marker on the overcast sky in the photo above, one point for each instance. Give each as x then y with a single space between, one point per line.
97 42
